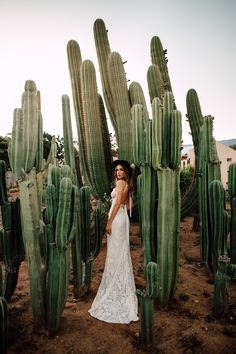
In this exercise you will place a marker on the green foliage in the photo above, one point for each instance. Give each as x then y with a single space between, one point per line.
233 147
186 179
4 141
47 138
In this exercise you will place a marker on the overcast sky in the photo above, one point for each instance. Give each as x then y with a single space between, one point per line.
199 36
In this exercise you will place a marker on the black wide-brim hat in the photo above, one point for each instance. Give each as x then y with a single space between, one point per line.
124 163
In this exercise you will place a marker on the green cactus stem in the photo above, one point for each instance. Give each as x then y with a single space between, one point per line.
3 326
10 237
103 50
146 302
118 83
208 170
30 218
219 222
225 272
158 57
232 193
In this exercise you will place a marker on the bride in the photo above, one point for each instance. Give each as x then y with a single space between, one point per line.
116 301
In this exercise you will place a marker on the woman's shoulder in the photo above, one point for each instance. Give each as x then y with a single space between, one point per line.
121 183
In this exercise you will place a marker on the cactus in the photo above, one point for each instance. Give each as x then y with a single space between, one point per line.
158 57
99 174
224 272
232 193
195 118
157 152
90 235
219 222
59 251
91 123
103 50
147 181
3 325
146 302
208 170
120 94
10 237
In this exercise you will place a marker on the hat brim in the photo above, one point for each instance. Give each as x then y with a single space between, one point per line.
124 163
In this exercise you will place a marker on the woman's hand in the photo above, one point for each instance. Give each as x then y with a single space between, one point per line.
108 228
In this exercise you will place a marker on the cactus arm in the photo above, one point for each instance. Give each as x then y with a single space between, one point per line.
16 154
137 97
155 83
158 58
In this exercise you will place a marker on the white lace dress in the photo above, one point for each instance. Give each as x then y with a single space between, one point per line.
116 301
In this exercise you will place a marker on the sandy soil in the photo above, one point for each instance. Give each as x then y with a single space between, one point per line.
188 326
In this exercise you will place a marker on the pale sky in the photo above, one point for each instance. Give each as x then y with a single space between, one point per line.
199 36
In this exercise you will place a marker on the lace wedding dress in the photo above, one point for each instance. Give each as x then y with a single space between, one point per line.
116 301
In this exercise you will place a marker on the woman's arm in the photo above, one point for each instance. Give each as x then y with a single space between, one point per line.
120 187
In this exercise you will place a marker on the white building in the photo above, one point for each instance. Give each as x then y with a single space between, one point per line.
226 155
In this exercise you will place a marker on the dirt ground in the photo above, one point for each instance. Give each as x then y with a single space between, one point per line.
188 326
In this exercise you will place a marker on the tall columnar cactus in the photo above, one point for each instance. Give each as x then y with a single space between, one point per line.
3 325
115 90
26 133
91 123
208 170
61 222
157 152
100 172
103 51
232 193
195 118
219 222
69 149
91 232
10 237
166 148
147 188
120 94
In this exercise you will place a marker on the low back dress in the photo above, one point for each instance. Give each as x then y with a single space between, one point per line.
116 300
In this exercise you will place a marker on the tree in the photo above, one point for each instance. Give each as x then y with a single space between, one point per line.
4 142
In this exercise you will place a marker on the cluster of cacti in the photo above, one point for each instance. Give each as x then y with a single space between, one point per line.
10 237
146 302
157 146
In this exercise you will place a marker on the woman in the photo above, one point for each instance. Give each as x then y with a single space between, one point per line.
116 301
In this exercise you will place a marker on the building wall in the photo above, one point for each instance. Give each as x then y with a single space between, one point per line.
226 155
